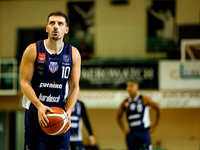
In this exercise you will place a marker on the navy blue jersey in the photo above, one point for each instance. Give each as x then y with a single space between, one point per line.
78 113
137 113
51 74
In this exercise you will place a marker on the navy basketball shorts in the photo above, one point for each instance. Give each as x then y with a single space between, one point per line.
139 140
36 139
76 145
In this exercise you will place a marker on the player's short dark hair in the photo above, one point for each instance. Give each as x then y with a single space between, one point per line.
58 13
133 81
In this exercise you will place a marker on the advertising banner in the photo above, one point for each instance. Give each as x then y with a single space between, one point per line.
170 79
166 99
116 76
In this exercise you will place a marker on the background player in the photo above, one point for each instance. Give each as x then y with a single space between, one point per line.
79 112
49 76
137 112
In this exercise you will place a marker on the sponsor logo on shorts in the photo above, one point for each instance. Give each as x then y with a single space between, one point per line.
49 98
53 67
51 85
41 57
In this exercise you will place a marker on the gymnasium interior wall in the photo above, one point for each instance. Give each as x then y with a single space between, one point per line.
179 129
120 31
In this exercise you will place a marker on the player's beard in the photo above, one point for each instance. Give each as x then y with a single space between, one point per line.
55 38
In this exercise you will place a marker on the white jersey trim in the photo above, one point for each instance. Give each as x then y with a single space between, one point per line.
135 99
26 102
146 119
50 52
66 91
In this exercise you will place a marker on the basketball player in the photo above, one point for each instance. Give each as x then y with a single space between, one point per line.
79 112
49 76
136 107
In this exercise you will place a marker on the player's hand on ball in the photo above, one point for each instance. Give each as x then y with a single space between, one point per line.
69 120
42 118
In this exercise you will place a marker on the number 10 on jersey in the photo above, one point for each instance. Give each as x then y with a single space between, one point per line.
65 72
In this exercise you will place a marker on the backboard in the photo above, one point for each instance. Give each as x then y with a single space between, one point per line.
190 59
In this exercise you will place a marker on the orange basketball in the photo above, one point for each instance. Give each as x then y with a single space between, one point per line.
58 122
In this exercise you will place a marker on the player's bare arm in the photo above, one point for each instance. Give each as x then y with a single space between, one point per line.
26 74
155 106
119 118
73 82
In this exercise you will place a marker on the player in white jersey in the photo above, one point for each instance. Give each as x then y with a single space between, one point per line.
136 107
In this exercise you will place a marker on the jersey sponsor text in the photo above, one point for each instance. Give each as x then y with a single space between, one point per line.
51 85
49 98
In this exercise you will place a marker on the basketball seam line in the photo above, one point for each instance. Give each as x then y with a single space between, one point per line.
55 113
55 123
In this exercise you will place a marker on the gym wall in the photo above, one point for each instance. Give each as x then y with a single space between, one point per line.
120 31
